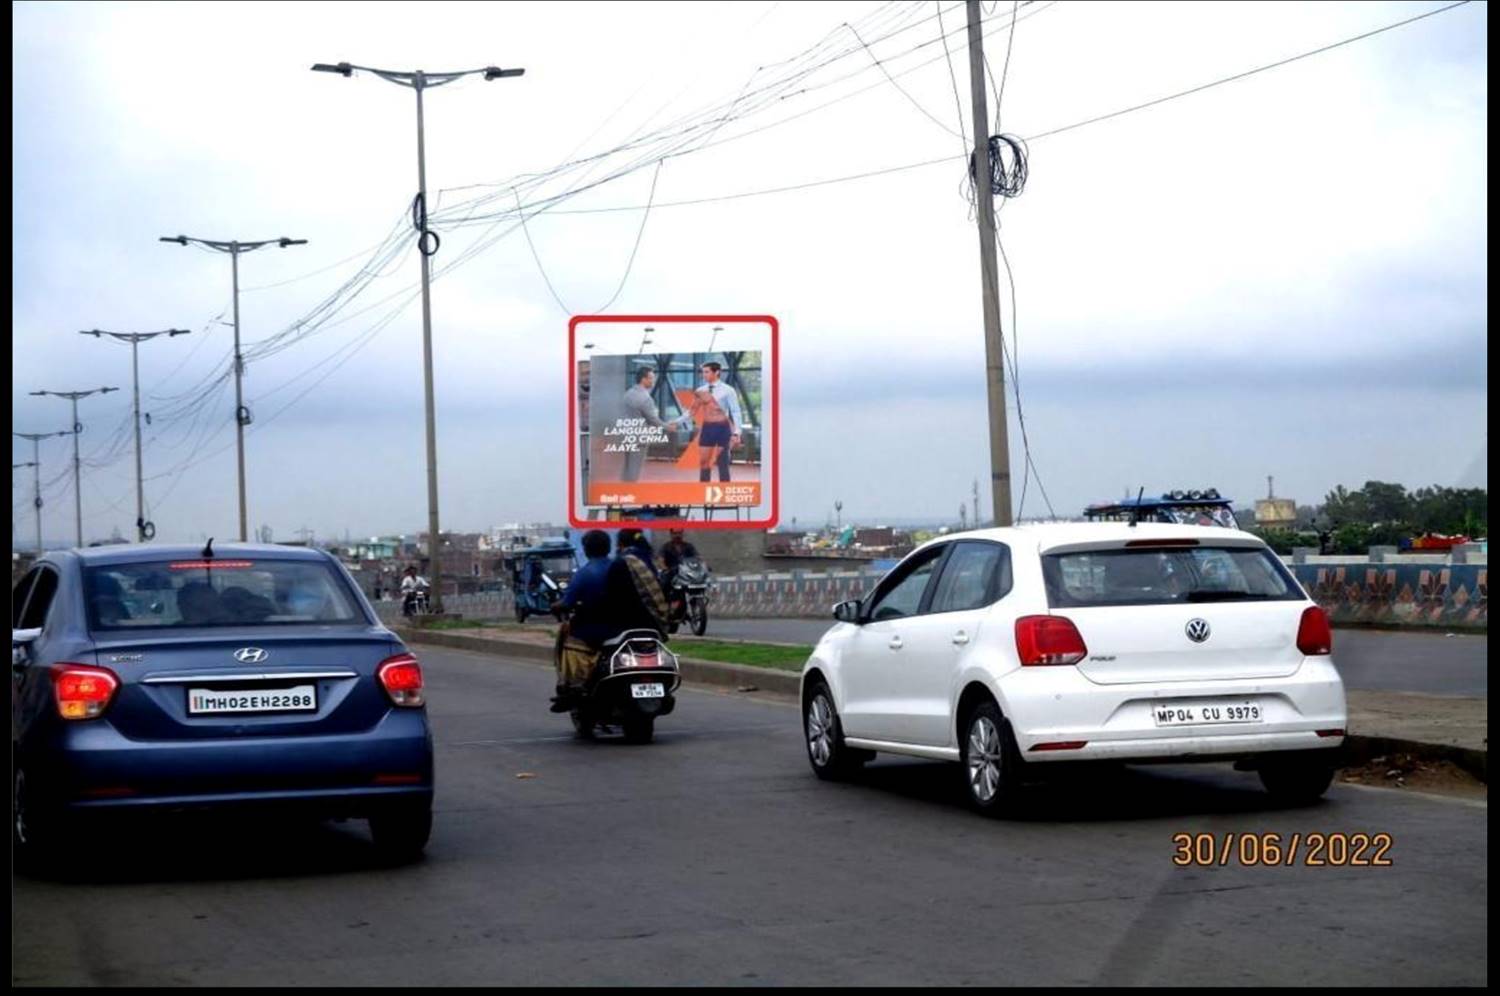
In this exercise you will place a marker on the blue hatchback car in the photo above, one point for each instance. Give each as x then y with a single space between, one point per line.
159 678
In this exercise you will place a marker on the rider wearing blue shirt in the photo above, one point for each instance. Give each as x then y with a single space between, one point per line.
585 597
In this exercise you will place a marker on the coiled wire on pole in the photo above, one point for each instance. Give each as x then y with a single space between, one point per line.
1007 155
419 224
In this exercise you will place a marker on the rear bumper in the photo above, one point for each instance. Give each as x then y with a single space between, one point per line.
92 767
1117 722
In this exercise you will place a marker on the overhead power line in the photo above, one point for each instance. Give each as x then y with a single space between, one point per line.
1249 72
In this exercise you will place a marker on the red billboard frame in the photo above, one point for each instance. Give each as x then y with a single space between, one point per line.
766 523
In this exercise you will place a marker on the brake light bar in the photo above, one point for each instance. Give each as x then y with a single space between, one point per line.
401 677
191 565
1162 542
82 691
1045 640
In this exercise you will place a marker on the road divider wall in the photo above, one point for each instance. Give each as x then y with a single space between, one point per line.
1354 592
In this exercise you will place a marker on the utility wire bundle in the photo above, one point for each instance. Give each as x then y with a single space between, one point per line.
1007 155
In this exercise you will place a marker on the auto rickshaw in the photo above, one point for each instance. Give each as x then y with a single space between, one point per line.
540 576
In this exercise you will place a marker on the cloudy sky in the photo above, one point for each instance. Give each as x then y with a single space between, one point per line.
1282 275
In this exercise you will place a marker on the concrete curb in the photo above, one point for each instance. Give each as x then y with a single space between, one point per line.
1358 748
738 676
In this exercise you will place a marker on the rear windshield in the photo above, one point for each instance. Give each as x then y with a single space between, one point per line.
1166 576
212 593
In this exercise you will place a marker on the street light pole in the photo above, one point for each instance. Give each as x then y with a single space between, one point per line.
241 413
427 244
74 397
36 475
142 527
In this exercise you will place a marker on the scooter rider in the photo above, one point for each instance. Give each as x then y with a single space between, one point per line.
588 623
633 589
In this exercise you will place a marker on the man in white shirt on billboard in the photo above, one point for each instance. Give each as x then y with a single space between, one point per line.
728 400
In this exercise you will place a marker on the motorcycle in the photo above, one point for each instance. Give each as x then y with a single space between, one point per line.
415 603
632 683
687 601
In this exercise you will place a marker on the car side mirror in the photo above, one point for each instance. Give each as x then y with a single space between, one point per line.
20 646
847 612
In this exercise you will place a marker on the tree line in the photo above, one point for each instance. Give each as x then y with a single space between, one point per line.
1381 514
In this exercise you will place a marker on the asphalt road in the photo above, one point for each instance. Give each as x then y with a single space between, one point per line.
713 856
1372 660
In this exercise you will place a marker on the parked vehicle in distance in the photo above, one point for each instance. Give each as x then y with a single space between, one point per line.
540 576
158 678
1184 508
1012 649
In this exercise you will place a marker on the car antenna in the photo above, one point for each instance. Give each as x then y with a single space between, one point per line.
208 549
1135 512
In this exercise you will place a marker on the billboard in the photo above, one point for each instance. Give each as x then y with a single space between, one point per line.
673 417
1275 513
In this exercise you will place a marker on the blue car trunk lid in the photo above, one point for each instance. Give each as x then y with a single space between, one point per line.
254 669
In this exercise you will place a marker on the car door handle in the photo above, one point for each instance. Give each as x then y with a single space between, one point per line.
895 643
960 638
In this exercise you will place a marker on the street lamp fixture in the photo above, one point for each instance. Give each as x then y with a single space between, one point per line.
427 245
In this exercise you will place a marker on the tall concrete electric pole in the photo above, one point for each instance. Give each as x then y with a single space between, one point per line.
241 413
36 475
74 396
143 530
427 243
994 361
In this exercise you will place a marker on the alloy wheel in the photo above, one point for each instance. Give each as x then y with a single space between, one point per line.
984 758
820 730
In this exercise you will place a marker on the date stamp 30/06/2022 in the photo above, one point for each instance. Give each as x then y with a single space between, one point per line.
1337 849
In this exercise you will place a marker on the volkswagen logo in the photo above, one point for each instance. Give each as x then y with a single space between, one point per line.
1197 630
250 655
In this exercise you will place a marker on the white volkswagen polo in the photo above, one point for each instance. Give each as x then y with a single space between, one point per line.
1008 649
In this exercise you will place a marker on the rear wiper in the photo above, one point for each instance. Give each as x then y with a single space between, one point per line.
1220 595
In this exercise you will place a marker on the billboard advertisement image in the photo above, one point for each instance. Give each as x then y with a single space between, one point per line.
673 417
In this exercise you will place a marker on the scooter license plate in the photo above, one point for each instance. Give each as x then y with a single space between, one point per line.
648 690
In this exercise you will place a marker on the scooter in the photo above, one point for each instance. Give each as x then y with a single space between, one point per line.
688 599
633 682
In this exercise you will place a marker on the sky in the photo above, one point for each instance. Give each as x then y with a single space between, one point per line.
1283 275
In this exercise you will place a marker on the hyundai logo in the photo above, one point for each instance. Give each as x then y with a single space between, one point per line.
1197 630
250 655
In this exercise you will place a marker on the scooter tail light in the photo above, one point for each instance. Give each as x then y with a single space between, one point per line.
1048 640
401 677
83 691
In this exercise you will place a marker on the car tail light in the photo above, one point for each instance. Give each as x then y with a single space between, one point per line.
1331 733
1314 637
83 692
401 676
1061 745
1049 640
